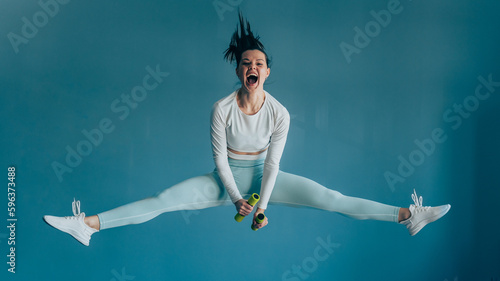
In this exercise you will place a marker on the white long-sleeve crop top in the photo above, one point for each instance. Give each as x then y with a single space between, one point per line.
265 130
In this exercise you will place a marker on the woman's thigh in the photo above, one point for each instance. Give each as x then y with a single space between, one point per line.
299 191
195 193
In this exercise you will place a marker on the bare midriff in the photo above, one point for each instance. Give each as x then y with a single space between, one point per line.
246 153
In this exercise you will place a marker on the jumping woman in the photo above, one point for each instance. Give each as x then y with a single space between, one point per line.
248 132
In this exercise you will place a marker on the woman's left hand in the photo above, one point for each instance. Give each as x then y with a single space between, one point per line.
259 225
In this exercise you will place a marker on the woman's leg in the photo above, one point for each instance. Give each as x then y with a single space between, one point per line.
196 193
298 191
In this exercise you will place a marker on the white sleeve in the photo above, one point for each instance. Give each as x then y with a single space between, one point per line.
219 150
272 162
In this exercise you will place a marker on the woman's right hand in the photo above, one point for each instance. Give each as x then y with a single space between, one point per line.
243 208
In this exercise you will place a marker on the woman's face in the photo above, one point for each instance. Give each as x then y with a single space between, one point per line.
252 70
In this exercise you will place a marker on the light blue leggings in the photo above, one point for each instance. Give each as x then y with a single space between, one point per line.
208 191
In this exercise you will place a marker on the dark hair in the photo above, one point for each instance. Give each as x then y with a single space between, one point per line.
242 41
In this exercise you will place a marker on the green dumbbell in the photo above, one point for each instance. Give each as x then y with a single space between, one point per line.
251 201
259 219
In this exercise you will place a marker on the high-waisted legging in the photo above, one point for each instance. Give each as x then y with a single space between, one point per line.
208 191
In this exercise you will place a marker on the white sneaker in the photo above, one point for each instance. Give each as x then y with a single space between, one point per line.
421 216
73 225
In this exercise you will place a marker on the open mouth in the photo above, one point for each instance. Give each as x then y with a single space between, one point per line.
252 79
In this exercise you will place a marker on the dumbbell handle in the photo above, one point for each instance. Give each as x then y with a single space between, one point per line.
259 219
251 201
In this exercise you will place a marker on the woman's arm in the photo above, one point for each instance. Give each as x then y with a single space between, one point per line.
271 164
219 150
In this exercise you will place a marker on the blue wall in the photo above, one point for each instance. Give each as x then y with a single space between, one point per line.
385 97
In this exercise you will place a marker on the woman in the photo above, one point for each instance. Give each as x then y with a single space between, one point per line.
248 132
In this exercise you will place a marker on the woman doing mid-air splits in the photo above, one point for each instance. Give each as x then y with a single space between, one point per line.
248 132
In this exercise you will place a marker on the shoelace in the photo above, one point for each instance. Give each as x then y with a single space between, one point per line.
76 207
418 202
76 210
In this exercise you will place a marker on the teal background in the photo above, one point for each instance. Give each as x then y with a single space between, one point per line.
350 123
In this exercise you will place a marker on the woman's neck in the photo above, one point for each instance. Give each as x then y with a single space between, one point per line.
250 103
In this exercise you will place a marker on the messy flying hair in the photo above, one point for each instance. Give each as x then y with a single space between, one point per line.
242 41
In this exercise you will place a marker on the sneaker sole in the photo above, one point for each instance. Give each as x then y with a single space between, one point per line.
423 223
